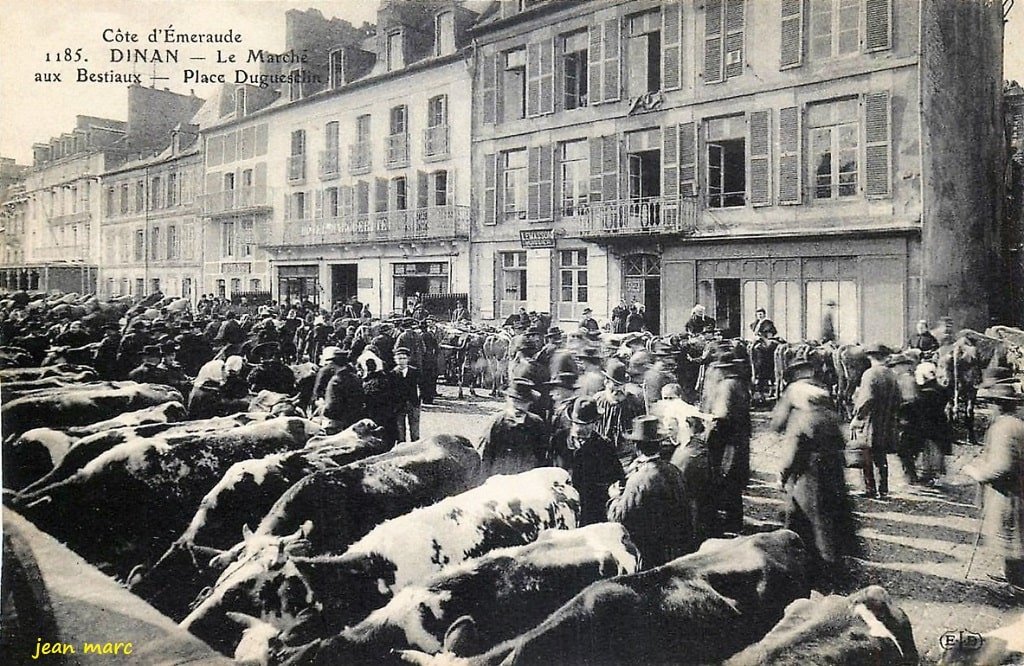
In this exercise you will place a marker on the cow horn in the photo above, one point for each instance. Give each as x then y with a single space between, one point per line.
246 532
244 619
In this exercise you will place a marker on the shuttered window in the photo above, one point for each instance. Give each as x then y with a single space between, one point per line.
513 184
792 29
834 148
489 88
604 54
877 144
687 159
670 161
835 28
672 43
540 78
490 187
759 125
789 156
539 183
877 25
724 22
604 168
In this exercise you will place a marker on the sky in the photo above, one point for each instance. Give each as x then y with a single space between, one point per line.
33 111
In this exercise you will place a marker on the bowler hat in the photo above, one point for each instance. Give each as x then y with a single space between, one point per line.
877 349
584 410
900 359
566 380
151 350
404 351
329 354
522 389
615 370
554 332
264 350
646 429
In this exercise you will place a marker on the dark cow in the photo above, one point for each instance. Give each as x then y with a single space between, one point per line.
80 407
246 492
18 388
762 367
819 355
38 451
460 357
866 627
1004 645
152 486
501 594
850 364
15 357
699 608
273 582
40 372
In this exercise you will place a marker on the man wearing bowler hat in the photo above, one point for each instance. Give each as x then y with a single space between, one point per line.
406 385
729 440
651 504
271 373
516 440
588 322
618 407
875 405
590 459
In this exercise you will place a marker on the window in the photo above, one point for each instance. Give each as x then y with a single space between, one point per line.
444 33
514 175
331 135
440 179
155 194
329 159
573 275
172 189
246 229
299 205
362 197
360 150
236 285
644 55
295 87
154 243
437 111
337 68
514 84
246 178
395 57
398 139
398 119
436 134
723 39
172 242
726 160
140 286
844 314
298 142
124 199
399 194
835 28
140 195
575 177
574 69
254 284
297 160
227 239
363 128
513 278
110 201
221 292
229 181
331 203
140 245
833 136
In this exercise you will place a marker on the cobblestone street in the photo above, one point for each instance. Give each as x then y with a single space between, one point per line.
918 544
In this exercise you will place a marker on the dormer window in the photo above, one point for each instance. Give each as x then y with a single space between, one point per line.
239 102
337 68
295 87
395 57
444 33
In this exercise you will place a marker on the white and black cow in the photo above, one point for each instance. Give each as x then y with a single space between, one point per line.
74 407
866 627
127 506
37 452
483 601
273 581
242 497
699 608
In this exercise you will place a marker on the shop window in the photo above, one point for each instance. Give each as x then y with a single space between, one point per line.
513 281
573 283
844 313
785 309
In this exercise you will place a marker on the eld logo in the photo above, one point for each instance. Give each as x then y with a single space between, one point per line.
966 640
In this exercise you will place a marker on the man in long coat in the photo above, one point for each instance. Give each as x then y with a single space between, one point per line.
652 503
618 408
516 440
818 507
591 461
729 441
875 405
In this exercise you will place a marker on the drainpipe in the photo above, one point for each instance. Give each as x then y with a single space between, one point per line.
921 314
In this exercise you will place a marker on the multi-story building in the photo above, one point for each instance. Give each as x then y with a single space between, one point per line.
369 158
150 233
740 154
12 221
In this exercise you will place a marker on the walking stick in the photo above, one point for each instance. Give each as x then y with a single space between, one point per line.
974 551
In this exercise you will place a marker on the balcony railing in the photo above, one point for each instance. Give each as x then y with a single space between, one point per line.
359 157
397 150
432 223
435 142
635 217
296 168
230 201
329 163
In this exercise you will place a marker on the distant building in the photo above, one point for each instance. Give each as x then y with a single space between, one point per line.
740 154
1012 237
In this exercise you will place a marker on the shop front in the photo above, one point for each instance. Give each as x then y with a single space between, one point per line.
412 281
299 283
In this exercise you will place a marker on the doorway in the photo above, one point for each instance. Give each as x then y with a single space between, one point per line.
642 284
344 278
728 315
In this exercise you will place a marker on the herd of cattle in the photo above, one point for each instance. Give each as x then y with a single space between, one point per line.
276 544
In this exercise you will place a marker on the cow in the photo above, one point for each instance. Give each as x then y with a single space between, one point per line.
43 372
699 608
90 447
17 388
37 452
850 364
242 497
80 407
496 353
84 355
152 486
959 368
460 356
501 594
866 627
14 357
1004 645
273 580
819 355
762 367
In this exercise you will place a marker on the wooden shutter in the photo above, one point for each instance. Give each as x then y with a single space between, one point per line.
319 210
539 183
381 194
422 189
877 25
734 30
877 139
713 42
789 155
670 161
347 203
533 57
288 206
489 88
610 168
792 24
671 45
687 159
595 55
759 157
611 88
596 148
490 188
547 77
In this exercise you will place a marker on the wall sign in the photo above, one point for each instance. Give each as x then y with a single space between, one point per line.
537 239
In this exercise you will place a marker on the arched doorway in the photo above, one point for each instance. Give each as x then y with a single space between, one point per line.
641 283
